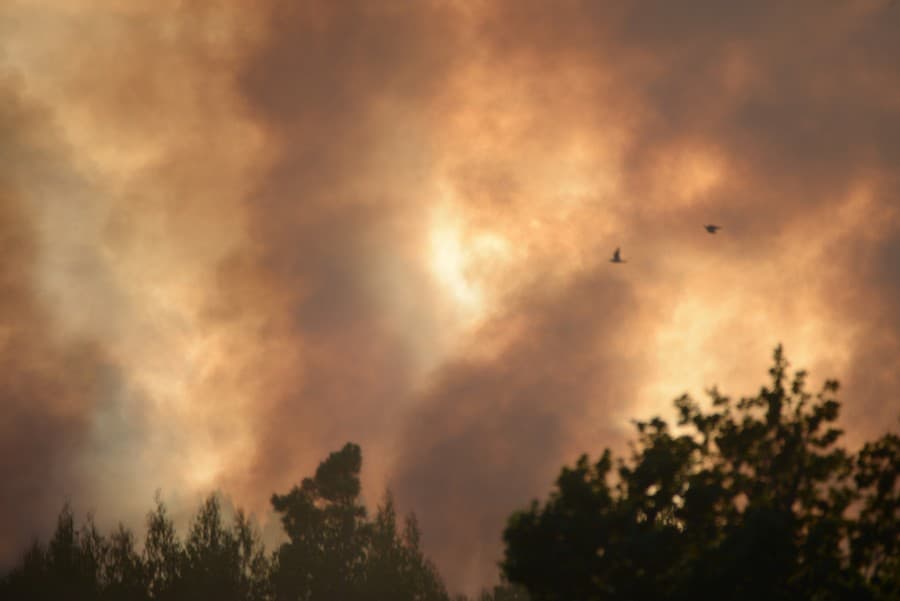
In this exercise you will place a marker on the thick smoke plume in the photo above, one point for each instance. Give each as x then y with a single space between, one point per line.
235 237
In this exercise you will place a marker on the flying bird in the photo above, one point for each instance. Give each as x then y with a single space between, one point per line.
616 258
712 229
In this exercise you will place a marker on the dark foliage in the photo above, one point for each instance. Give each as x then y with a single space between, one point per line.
752 500
333 553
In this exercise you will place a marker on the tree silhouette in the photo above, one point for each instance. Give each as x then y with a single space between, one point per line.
125 576
61 568
221 563
753 500
334 552
396 568
325 522
163 555
215 562
875 541
748 499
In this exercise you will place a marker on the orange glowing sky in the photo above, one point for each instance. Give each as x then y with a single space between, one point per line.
237 235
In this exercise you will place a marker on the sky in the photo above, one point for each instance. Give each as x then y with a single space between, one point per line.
237 235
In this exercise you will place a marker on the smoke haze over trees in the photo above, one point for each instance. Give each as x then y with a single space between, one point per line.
334 551
750 499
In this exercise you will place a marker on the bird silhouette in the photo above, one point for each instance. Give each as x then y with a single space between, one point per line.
616 258
712 229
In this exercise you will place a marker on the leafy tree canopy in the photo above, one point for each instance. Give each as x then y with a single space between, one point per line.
751 499
334 552
748 499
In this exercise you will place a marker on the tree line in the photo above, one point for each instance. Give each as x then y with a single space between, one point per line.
334 551
749 499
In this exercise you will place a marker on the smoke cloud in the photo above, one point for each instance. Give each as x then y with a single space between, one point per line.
236 237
